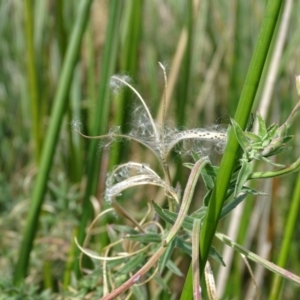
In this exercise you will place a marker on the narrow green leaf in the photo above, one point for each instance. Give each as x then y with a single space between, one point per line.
210 170
187 221
287 139
249 190
196 156
232 205
132 264
199 213
161 213
272 130
166 256
184 246
145 238
206 198
254 257
243 176
213 253
243 141
288 170
173 268
124 229
207 170
262 129
289 229
139 291
188 165
162 283
208 181
253 137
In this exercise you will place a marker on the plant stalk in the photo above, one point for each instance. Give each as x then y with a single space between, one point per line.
51 141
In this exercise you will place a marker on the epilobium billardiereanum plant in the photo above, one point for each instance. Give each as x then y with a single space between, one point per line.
133 252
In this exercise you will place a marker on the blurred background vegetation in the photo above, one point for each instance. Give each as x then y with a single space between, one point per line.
206 47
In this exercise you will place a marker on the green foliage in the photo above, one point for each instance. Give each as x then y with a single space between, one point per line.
31 292
64 85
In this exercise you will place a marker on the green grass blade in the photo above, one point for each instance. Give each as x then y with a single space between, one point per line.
32 79
129 59
241 117
100 121
256 258
51 140
183 86
287 240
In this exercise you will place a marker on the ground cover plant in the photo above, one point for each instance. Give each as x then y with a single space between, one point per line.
140 138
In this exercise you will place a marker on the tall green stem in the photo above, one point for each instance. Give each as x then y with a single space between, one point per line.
100 121
32 79
287 240
128 64
51 140
241 116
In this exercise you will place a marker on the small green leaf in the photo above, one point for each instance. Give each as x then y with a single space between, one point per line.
160 281
187 221
207 197
210 170
121 278
184 246
243 141
173 268
161 213
274 145
116 263
257 259
188 165
163 260
171 217
124 229
208 181
251 191
145 238
262 158
287 138
232 205
196 156
243 176
253 137
199 213
139 291
272 131
262 129
132 264
113 236
213 253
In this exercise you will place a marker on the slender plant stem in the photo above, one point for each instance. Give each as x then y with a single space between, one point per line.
69 262
129 60
241 116
32 79
258 259
287 240
91 80
100 121
51 140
